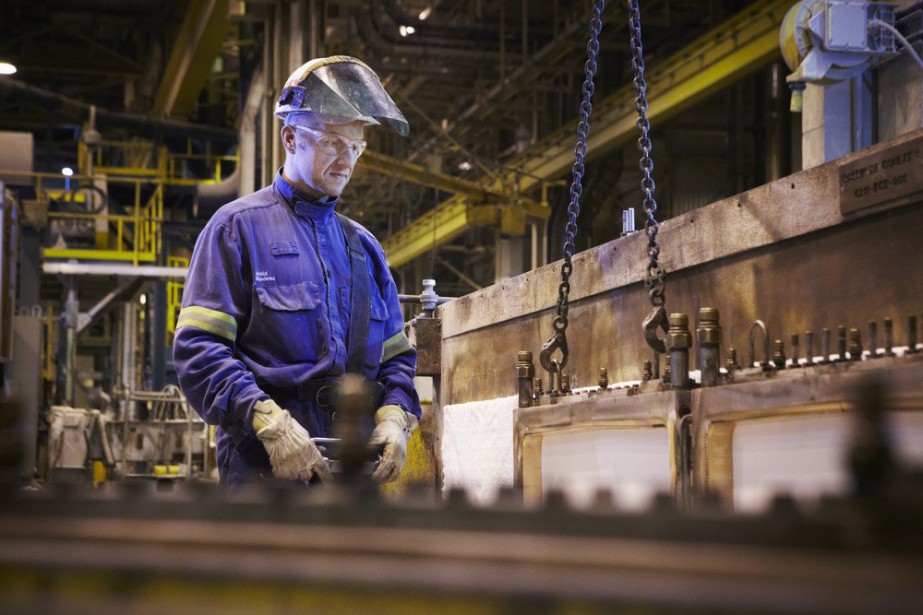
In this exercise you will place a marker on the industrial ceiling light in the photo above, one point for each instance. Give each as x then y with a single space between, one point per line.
405 30
6 68
425 13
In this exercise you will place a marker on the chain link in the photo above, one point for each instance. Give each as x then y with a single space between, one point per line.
558 341
654 274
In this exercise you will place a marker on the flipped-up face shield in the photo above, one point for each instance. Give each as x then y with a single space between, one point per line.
338 90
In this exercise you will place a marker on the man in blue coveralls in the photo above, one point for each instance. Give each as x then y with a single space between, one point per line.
284 295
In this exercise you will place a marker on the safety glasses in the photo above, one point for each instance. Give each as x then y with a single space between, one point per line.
334 145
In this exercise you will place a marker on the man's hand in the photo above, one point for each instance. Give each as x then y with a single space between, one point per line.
392 431
291 452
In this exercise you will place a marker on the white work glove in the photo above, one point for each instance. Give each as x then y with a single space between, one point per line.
291 452
392 431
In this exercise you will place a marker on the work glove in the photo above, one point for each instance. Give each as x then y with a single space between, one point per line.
392 431
291 452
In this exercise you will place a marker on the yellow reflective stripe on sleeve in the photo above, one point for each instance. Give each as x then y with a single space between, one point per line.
219 323
395 345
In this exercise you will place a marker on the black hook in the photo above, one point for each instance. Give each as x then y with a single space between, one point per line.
656 319
558 341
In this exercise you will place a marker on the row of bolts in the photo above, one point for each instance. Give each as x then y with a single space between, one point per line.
708 335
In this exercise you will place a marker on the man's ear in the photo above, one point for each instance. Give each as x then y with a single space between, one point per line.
288 139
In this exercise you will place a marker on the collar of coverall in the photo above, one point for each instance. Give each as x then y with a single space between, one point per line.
301 202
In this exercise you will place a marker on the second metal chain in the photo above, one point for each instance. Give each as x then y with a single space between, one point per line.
558 341
654 272
654 275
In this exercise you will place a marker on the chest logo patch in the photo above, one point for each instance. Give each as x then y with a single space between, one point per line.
263 276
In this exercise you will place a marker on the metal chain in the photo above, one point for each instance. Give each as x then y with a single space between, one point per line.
558 341
654 275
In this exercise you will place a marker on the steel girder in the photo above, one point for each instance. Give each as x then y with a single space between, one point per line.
200 37
741 45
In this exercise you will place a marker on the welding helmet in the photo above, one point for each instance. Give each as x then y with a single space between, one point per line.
339 90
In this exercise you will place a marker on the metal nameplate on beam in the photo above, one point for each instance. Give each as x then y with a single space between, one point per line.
884 176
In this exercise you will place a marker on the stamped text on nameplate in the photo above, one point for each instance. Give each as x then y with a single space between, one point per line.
884 176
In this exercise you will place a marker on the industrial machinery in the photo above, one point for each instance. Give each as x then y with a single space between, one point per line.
826 41
156 436
830 40
726 417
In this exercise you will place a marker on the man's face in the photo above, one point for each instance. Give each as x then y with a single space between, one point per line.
322 155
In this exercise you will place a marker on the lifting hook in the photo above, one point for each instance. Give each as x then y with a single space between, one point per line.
558 341
657 319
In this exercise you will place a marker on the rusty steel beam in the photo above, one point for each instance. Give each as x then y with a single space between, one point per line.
200 37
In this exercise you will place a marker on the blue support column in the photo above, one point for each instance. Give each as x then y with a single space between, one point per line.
837 119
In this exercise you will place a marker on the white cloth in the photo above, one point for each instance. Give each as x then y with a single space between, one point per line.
477 447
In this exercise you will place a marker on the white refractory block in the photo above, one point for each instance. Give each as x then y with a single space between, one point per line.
807 456
477 447
632 464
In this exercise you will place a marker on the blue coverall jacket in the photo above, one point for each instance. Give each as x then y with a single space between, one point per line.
266 308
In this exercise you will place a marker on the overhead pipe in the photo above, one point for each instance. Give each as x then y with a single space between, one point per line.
209 197
173 128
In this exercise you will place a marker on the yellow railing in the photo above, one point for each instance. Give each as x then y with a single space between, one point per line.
133 237
145 159
99 234
174 292
138 167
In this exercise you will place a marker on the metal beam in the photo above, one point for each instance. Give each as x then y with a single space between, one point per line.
441 225
741 45
417 174
126 286
200 37
447 221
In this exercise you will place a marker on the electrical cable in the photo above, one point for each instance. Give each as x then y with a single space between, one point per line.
877 23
